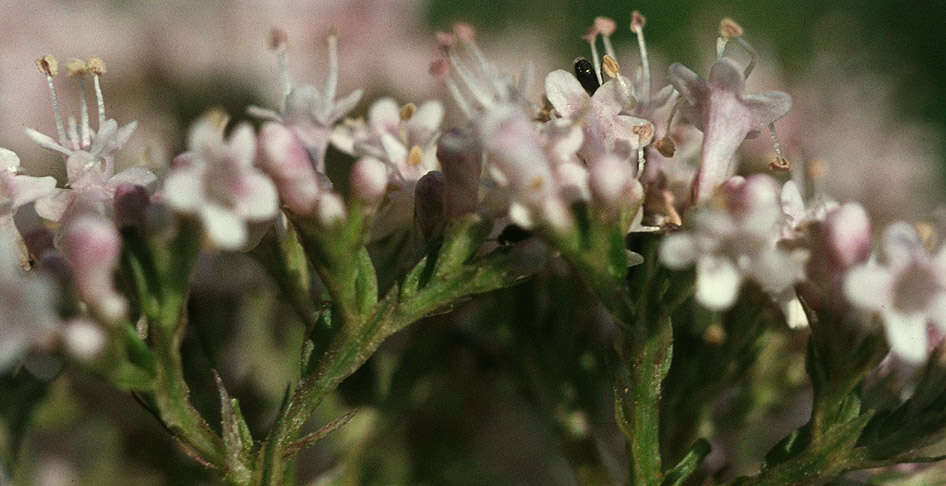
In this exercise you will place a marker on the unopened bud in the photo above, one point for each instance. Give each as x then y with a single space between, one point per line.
462 165
48 65
83 340
288 163
95 65
665 146
330 209
729 28
847 235
92 245
131 204
637 21
369 180
76 67
429 204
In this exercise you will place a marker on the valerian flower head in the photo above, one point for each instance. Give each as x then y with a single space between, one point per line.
311 114
27 308
725 114
906 286
217 182
735 240
89 154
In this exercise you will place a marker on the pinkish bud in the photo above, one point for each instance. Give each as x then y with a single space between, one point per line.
429 204
131 203
83 340
330 209
369 180
286 160
92 245
755 192
462 165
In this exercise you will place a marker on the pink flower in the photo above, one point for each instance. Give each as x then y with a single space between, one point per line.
599 115
311 114
17 190
739 241
216 181
906 286
726 116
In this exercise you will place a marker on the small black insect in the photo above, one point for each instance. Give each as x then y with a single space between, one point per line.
513 234
585 72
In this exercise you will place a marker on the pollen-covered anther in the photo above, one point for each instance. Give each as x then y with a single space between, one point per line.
537 183
645 133
780 164
605 26
95 65
407 111
730 29
637 21
610 66
927 234
665 146
278 39
76 67
415 156
439 68
48 65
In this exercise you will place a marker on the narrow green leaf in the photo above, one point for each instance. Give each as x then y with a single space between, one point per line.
688 465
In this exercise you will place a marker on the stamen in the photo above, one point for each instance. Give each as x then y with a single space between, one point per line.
279 42
665 145
415 156
96 66
331 82
780 163
729 29
606 27
467 36
441 69
466 78
637 26
613 70
76 68
48 66
585 74
753 55
73 132
592 37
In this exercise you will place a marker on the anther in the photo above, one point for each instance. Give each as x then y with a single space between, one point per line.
415 156
585 73
665 146
407 111
780 163
637 27
606 27
613 70
50 67
729 28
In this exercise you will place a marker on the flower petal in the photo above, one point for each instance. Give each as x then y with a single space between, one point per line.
725 74
257 199
687 83
384 116
426 121
717 282
8 159
869 287
343 106
767 107
242 145
565 93
223 227
46 142
678 251
184 189
906 334
26 189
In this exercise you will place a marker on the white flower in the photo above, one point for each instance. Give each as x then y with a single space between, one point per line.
27 308
906 286
217 182
17 190
736 242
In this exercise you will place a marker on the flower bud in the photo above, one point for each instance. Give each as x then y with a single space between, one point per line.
330 209
83 340
846 235
286 160
369 180
462 165
131 203
92 245
429 204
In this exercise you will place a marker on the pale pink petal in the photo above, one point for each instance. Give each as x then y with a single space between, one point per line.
46 142
792 203
138 175
937 311
687 83
344 105
384 116
869 287
257 199
223 227
901 245
717 282
8 159
302 102
793 311
103 138
725 74
426 120
678 251
395 150
767 107
184 189
54 207
26 189
242 145
565 93
906 335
